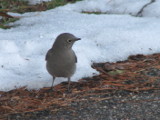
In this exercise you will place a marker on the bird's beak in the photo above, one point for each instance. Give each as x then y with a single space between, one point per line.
77 39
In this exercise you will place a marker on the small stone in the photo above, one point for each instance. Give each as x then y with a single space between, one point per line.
109 67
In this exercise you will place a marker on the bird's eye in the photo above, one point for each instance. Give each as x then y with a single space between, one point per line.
69 41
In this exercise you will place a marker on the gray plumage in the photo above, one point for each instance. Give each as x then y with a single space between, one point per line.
61 59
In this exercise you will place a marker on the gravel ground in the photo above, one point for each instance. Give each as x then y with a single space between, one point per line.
120 105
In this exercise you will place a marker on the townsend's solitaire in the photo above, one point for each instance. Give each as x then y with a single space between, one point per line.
61 59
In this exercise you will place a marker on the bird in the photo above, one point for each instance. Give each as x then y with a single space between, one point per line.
61 59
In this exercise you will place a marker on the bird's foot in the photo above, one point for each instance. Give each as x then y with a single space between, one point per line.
69 90
51 89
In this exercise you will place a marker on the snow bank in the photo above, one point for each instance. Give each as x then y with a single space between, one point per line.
105 38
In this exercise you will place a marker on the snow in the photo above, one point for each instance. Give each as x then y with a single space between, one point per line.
153 10
105 38
33 2
110 6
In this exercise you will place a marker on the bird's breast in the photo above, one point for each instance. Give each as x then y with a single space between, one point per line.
62 64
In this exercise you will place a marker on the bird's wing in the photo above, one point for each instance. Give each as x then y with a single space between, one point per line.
75 57
48 54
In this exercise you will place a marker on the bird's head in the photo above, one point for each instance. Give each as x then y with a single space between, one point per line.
65 40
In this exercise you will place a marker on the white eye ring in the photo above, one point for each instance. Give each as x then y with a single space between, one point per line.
69 41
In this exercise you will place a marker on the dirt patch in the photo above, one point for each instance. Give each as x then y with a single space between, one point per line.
119 82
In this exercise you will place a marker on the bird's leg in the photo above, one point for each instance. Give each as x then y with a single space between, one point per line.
69 79
53 82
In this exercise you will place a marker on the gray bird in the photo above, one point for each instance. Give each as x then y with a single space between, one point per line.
61 59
